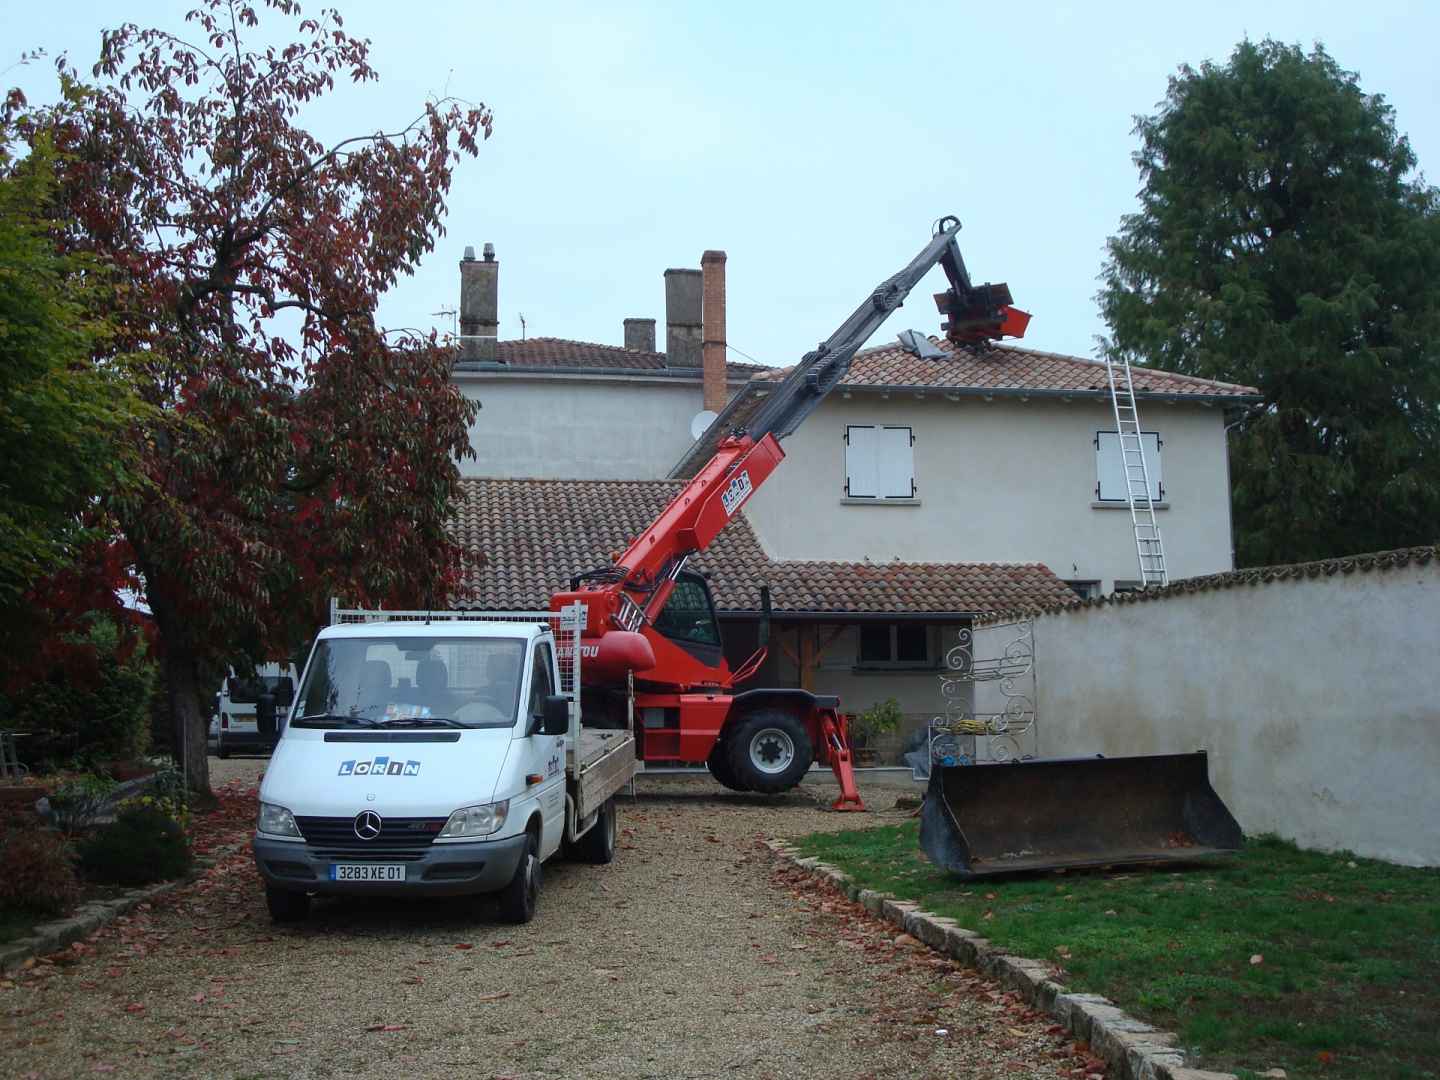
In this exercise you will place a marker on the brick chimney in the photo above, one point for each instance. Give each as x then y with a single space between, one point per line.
640 335
682 318
479 305
712 270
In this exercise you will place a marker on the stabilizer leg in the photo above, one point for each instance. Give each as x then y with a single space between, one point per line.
837 742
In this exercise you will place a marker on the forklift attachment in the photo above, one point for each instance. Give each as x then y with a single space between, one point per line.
985 820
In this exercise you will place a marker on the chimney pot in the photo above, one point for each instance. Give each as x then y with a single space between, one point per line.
640 335
489 252
469 252
682 318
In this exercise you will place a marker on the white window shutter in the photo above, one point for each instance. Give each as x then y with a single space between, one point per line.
861 461
1110 468
896 463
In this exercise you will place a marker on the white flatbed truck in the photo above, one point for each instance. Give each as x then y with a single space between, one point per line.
438 754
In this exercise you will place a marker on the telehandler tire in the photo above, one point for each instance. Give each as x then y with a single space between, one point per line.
519 898
719 765
598 845
770 751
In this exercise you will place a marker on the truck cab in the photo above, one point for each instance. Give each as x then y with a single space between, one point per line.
434 758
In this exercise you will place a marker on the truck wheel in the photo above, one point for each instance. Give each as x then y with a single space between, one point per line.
519 897
770 751
221 750
598 845
287 906
719 765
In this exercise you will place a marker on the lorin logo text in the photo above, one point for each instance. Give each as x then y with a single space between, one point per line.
740 487
381 766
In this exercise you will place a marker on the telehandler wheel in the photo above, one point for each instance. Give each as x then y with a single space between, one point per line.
286 906
770 751
719 765
518 899
598 845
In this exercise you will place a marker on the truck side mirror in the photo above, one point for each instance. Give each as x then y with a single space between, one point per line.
265 717
555 720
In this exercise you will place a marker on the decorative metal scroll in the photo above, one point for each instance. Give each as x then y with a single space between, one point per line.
989 701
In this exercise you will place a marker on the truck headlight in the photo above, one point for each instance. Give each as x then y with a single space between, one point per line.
276 820
476 820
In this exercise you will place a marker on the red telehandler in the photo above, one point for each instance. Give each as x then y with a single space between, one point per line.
651 620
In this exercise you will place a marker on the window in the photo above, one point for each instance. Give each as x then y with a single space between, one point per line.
879 462
1086 590
1128 586
1110 468
541 685
895 645
687 615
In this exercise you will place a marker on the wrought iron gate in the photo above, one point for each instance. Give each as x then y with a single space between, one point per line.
989 694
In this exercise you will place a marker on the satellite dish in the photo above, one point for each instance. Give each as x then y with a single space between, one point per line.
701 424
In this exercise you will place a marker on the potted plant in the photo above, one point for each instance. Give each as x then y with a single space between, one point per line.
880 719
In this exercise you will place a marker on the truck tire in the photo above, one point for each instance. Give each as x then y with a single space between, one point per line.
221 751
769 751
519 898
598 845
286 906
719 765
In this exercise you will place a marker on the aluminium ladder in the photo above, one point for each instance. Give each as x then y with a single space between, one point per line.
1148 546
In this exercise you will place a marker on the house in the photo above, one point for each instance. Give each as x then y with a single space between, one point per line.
926 490
994 454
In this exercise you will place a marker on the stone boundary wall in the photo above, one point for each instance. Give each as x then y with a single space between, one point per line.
1315 689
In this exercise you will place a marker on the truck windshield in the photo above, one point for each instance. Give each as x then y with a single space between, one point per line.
411 682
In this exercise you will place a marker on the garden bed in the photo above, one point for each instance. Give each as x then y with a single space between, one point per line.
1323 965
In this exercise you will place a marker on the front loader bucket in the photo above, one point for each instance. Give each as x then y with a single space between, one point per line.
983 820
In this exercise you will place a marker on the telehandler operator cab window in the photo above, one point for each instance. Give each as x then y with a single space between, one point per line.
689 614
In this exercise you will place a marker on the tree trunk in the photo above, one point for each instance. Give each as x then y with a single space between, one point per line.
182 685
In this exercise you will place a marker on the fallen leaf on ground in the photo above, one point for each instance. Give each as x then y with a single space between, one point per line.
386 1027
499 995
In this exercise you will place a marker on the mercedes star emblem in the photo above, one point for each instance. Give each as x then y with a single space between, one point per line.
367 825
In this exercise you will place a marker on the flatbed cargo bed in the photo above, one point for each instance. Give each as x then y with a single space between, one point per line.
602 764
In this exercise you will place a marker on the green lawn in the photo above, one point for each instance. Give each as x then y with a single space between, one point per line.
1347 983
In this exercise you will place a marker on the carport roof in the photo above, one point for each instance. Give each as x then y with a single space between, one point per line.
528 537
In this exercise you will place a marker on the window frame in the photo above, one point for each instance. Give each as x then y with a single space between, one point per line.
1157 482
930 663
880 497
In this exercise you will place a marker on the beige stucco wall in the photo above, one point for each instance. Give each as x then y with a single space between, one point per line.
1318 701
999 481
550 427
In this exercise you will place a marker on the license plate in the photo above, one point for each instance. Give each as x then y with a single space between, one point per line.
381 872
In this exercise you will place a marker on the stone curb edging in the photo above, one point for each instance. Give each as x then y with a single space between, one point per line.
55 935
1137 1050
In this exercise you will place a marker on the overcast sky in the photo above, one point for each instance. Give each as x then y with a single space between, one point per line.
815 143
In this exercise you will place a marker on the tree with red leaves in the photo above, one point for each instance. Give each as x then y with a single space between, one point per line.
294 449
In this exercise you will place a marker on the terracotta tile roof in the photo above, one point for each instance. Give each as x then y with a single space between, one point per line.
978 368
1258 575
972 370
531 535
543 352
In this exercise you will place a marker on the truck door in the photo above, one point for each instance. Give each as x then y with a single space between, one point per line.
547 752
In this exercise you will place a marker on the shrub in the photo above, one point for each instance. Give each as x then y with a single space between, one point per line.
95 701
38 874
144 845
880 719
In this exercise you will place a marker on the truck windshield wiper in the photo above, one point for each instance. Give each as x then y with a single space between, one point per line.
324 720
420 721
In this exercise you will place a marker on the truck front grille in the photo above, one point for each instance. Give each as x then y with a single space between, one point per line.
397 832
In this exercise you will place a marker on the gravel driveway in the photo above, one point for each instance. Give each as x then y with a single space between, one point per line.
694 954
